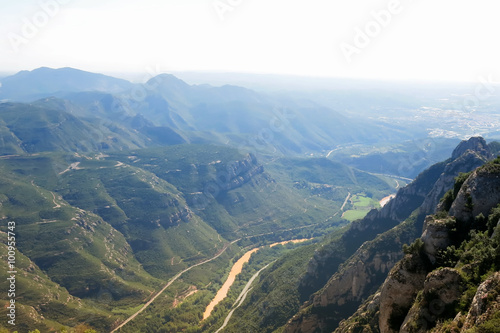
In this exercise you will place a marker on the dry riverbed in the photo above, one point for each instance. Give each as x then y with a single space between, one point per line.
235 270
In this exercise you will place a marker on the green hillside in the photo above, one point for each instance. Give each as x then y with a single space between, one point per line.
121 199
31 129
126 222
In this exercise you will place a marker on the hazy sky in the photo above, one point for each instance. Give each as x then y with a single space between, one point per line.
406 39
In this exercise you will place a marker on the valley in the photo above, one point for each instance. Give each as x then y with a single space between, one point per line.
111 190
241 298
203 208
235 270
165 287
229 166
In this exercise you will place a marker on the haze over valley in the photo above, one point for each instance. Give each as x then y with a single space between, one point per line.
231 166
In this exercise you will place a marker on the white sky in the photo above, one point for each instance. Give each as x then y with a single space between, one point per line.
426 39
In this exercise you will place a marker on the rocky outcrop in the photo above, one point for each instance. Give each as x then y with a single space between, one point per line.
239 173
326 260
476 154
442 289
436 235
485 304
443 286
479 194
411 299
345 290
365 319
357 278
469 155
399 291
184 214
351 283
418 298
476 144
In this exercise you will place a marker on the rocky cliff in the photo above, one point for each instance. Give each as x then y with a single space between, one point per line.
360 276
457 287
478 194
467 156
239 173
326 260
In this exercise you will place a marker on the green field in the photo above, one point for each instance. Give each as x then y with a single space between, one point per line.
360 205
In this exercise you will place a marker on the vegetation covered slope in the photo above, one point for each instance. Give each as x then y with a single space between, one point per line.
77 252
110 230
448 280
169 111
25 128
108 209
339 255
30 85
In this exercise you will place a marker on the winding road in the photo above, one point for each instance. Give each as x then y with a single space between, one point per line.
172 280
242 297
345 201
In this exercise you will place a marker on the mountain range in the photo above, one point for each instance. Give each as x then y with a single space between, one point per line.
166 110
131 201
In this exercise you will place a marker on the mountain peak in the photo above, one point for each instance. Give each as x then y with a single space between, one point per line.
475 143
45 81
168 80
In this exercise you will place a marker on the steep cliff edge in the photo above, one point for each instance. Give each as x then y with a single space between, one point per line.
459 288
327 259
360 276
467 156
478 194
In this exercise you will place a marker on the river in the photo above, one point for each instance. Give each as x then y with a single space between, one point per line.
235 270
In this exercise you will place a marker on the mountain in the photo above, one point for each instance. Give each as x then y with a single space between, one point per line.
44 82
31 129
115 113
167 110
127 193
448 279
239 116
363 126
259 121
405 159
65 253
108 230
354 261
380 237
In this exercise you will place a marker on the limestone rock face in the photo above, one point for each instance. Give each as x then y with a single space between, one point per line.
366 317
239 173
302 324
436 236
350 284
467 161
477 144
479 194
399 290
443 285
325 262
346 288
184 214
485 303
362 273
419 297
441 288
